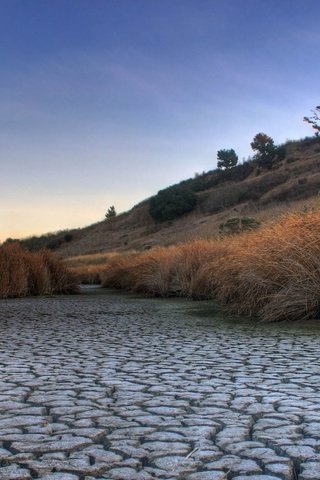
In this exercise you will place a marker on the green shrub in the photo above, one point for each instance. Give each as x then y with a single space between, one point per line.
281 153
50 241
265 149
172 203
227 158
68 237
238 224
236 174
307 142
214 178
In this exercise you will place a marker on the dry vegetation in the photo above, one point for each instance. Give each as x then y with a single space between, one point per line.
88 268
24 273
273 272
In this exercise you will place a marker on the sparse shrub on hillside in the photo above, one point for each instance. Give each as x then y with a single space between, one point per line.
227 159
172 203
314 120
111 213
238 224
238 173
10 240
25 273
199 183
217 177
304 143
50 241
281 153
265 150
68 237
55 244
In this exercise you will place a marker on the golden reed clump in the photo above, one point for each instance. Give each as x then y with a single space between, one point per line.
88 268
273 272
25 273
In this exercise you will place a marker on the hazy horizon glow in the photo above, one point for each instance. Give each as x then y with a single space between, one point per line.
104 103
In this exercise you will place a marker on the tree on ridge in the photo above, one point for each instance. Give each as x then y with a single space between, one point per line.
111 213
227 158
314 120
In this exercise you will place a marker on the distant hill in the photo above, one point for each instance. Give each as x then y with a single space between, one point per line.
242 192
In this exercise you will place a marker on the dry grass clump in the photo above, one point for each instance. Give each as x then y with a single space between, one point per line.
281 275
147 272
89 259
89 268
24 273
273 272
88 274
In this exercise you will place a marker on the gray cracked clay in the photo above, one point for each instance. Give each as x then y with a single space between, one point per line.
109 386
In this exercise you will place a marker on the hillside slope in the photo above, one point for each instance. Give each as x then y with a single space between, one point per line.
263 194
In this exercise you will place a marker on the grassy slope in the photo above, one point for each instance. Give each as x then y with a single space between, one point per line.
293 185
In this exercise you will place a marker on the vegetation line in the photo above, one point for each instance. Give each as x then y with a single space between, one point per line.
24 273
272 272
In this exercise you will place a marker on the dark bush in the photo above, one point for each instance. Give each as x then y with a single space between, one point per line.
198 184
236 174
213 178
307 142
54 244
172 203
281 153
50 241
68 237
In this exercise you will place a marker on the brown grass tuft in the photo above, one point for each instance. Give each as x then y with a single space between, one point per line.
89 268
24 273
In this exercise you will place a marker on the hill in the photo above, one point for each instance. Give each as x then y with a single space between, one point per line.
245 191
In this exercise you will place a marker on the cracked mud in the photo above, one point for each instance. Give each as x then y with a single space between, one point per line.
109 386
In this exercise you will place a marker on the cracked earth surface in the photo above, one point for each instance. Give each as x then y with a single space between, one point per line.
109 386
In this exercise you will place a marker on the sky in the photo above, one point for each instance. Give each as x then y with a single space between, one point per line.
105 102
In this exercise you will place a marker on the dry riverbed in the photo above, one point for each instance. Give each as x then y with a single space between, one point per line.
110 386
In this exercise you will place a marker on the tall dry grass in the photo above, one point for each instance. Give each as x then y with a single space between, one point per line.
89 268
273 272
24 273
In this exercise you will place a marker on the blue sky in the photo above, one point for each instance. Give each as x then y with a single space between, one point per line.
107 101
